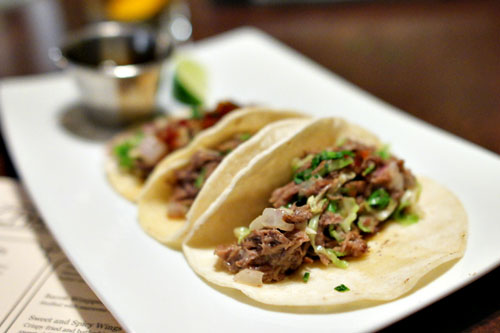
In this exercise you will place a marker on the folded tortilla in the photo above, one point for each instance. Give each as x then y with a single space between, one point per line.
268 127
398 255
126 184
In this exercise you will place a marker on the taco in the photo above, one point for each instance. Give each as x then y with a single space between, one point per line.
133 155
181 187
327 217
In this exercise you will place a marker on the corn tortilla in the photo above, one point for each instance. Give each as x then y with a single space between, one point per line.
267 130
398 255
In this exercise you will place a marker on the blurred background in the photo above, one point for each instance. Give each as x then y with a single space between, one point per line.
436 60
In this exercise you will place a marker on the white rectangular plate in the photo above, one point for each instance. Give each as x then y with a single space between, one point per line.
150 288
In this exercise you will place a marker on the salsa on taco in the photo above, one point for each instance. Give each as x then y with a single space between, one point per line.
134 154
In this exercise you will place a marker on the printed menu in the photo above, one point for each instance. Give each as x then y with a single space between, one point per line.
40 291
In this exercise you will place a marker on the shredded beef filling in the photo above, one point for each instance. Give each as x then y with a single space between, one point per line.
189 180
270 251
298 214
330 187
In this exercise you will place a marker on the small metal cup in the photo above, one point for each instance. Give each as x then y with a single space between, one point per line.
117 68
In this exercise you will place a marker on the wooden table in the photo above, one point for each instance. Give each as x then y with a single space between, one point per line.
437 60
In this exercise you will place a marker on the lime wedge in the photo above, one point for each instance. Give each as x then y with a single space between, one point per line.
190 83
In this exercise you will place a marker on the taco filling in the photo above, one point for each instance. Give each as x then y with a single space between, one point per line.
139 153
336 200
189 180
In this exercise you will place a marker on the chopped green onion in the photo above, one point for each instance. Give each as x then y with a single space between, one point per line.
368 170
198 183
335 165
302 176
123 149
339 154
245 136
333 155
121 152
333 207
384 152
379 199
329 155
315 161
305 278
342 288
337 160
241 233
298 179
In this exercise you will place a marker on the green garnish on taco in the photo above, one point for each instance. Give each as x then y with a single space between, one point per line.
327 202
181 186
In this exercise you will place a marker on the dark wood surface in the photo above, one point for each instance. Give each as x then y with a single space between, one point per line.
437 60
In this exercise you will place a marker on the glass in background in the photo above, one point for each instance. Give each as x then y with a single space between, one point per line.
165 16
